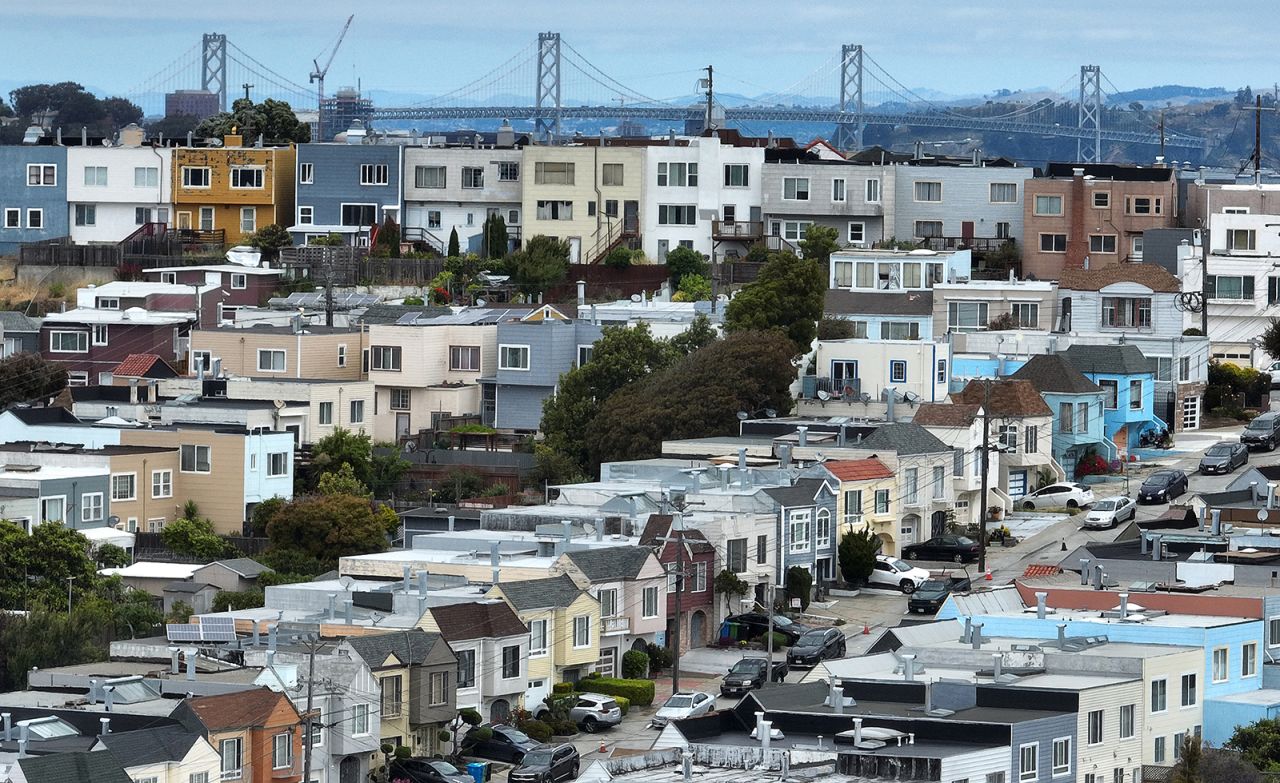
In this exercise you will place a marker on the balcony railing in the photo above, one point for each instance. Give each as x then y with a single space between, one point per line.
743 230
613 625
977 244
847 389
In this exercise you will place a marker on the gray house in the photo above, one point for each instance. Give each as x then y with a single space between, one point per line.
799 189
457 188
33 195
512 398
20 333
420 665
75 496
346 189
806 531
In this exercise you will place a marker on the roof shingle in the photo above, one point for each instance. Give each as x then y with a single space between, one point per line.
878 303
802 493
552 592
658 528
905 438
477 620
858 469
1051 372
411 647
1157 278
236 710
610 564
150 746
941 414
144 365
74 767
1009 398
1125 359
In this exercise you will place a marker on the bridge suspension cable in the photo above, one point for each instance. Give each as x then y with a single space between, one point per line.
520 63
589 70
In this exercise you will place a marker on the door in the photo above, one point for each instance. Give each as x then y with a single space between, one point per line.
966 231
730 213
938 523
184 220
844 372
349 770
575 250
608 663
664 245
1191 413
402 426
631 216
499 711
697 628
1017 483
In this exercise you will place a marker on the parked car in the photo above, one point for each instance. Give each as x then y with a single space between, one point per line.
958 549
547 765
506 743
1110 512
930 596
1162 486
816 646
892 572
686 704
751 673
427 771
757 624
1263 432
1224 458
1066 494
595 710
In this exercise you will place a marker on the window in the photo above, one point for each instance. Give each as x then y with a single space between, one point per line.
35 218
326 413
582 631
359 719
42 175
306 173
1143 205
1248 659
837 190
1135 247
611 174
873 191
611 207
1009 436
91 507
1110 394
966 316
1102 243
282 751
239 281
736 175
464 358
1062 756
124 486
1101 199
438 688
1188 690
1082 417
195 459
376 174
1221 660
1026 314
1053 243
278 463
1126 721
1235 210
1241 239
1095 727
795 230
538 637
508 171
466 668
762 550
206 218
100 334
511 662
1048 205
95 176
359 214
928 228
608 603
513 357
1126 312
1184 368
1003 230
677 214
86 214
899 330
248 219
795 188
246 177
677 174
913 486
317 734
357 412
385 357
472 177
995 777
585 352
433 218
12 218
857 235
1158 750
649 601
429 176
555 210
1004 193
1031 439
1135 395
897 371
201 360
1273 632
939 482
390 687
141 216
398 399
1158 694
882 501
941 374
271 360
799 528
553 173
736 555
342 355
1028 761
928 191
161 483
1230 287
230 751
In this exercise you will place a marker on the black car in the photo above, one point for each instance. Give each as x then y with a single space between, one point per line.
958 549
547 765
816 646
930 596
1263 432
427 771
1162 486
751 673
1224 458
505 743
757 624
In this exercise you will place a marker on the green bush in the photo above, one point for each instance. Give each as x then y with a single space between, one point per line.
799 585
624 704
634 664
481 733
563 727
403 752
444 736
659 657
562 688
470 716
536 729
779 640
638 692
618 258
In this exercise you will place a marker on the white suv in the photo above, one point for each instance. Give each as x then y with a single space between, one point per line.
892 572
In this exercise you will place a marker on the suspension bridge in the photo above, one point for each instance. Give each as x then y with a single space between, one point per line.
551 85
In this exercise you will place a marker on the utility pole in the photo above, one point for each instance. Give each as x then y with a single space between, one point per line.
1162 134
1257 140
247 87
769 597
982 500
677 524
709 84
306 719
70 579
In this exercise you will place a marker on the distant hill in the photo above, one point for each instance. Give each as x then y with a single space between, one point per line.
1177 94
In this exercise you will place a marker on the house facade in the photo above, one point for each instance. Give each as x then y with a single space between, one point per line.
276 352
697 616
586 196
449 189
1127 380
534 354
33 181
257 734
492 647
978 205
239 286
233 188
113 191
800 190
971 306
923 467
864 497
631 586
911 371
345 189
806 531
959 425
1077 406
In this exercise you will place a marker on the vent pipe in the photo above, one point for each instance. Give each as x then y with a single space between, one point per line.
1124 605
1041 598
1156 545
191 663
346 609
1216 515
582 293
857 732
408 576
1253 490
333 605
106 726
271 637
109 696
599 525
892 401
1084 569
22 748
496 575
686 766
837 698
495 559
7 717
93 691
1271 495
909 668
1062 636
968 630
766 729
742 458
1201 516
257 635
271 659
1097 577
451 522
976 641
566 532
997 665
422 582
802 436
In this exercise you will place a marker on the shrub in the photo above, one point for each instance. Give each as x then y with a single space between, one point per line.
835 329
481 733
659 657
634 664
638 692
779 640
562 688
536 729
563 727
1192 332
624 704
618 258
470 716
444 736
1092 465
799 585
403 752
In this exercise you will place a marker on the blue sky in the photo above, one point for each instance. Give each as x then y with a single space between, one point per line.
657 46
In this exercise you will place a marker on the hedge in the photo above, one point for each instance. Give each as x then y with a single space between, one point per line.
624 704
637 692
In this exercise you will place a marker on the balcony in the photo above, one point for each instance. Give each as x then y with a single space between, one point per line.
615 625
976 244
737 230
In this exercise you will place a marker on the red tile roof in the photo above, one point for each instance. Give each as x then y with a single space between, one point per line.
136 365
1041 570
859 469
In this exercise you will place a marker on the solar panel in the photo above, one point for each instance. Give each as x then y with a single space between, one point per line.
182 632
218 629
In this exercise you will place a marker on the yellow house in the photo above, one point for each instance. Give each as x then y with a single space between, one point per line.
233 188
563 621
865 498
582 195
146 487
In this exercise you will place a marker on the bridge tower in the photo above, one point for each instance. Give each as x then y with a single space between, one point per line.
547 94
1089 150
849 132
213 67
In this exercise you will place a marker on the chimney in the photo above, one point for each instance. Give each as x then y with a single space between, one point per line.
742 458
1062 635
7 717
257 635
857 732
333 606
1097 577
1040 605
24 732
837 698
1216 516
106 726
1084 569
451 522
976 639
271 637
22 746
566 532
405 570
909 668
599 526
686 766
346 609
1078 171
802 436
892 399
233 140
997 665
595 320
784 456
93 691
1156 545
1204 512
582 293
968 630
422 582
191 663
1124 605
766 729
109 696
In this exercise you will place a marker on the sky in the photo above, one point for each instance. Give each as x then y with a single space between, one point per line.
656 47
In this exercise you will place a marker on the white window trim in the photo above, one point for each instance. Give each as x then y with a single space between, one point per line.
657 597
915 198
244 281
182 177
1226 668
808 191
84 503
231 177
540 652
281 351
282 473
17 213
342 354
39 212
1035 771
1165 707
306 173
111 485
1055 770
196 453
574 630
1244 658
156 473
527 353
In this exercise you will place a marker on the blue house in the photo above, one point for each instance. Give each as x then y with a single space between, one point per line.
346 189
1076 402
549 345
806 532
1128 382
33 195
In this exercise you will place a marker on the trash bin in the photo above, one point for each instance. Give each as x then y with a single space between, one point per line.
477 771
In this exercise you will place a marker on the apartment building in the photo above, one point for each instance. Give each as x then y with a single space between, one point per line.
346 189
449 189
33 195
113 191
801 189
587 196
971 306
978 204
233 188
90 343
301 351
257 733
909 370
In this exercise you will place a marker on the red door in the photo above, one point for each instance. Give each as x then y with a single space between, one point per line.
966 232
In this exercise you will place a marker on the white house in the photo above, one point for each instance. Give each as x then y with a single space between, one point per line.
916 370
112 191
492 646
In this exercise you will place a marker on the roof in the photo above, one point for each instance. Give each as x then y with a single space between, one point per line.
878 303
77 766
132 316
858 469
801 493
411 647
1124 359
52 415
477 620
658 527
236 710
144 365
611 563
1008 398
1041 569
389 314
1111 171
187 587
557 591
14 321
1157 278
148 569
150 746
1053 373
905 438
244 566
942 414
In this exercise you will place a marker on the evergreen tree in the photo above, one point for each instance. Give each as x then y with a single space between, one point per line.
454 247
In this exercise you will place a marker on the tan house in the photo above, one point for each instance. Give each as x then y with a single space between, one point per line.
273 352
583 195
146 490
971 306
864 496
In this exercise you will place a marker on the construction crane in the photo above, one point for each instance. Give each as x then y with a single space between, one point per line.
317 77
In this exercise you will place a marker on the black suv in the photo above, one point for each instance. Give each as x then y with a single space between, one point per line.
751 673
427 771
504 743
547 765
1263 432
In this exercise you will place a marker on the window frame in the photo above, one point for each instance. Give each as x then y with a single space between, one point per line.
472 178
257 178
355 411
195 458
1047 200
1128 713
515 660
731 169
1063 745
459 352
389 355
35 218
306 173
161 484
538 651
132 495
897 371
1158 688
503 350
1028 773
646 611
237 771
1053 237
375 174
928 185
42 178
1248 660
283 470
272 352
581 628
276 748
508 171
992 192
92 507
796 187
1100 246
1226 665
1095 730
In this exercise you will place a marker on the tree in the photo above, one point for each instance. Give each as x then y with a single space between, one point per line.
496 240
553 467
455 249
5 111
729 585
857 554
342 481
1004 322
787 296
273 119
386 468
338 448
175 127
685 261
1189 756
1270 342
269 239
263 512
28 376
835 329
1218 765
325 528
540 264
193 537
179 612
1258 743
111 556
819 243
693 288
388 239
799 585
231 601
699 334
43 97
121 111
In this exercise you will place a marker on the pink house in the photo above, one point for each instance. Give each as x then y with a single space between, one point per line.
631 586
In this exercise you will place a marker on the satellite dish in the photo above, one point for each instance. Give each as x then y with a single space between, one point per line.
824 395
481 303
409 447
635 298
743 415
1262 515
278 403
771 413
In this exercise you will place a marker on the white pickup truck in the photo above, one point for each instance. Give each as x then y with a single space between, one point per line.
1273 370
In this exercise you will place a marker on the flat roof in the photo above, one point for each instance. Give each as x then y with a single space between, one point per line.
134 315
48 472
146 569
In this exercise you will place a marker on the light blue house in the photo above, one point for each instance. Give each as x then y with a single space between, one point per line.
1128 381
346 189
806 532
547 348
33 195
1076 402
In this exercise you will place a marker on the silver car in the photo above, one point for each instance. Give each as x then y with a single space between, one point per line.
593 710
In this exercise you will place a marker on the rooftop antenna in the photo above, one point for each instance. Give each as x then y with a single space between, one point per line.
317 77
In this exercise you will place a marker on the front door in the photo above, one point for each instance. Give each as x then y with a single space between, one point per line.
575 250
402 426
349 770
608 663
184 220
844 372
1017 483
966 231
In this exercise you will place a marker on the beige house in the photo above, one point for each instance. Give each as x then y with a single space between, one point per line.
583 195
312 407
146 486
164 754
322 352
971 306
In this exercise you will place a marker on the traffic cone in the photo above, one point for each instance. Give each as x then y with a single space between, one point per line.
603 749
988 575
866 629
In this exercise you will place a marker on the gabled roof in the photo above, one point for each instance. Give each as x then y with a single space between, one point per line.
658 527
74 767
1051 372
612 563
1157 278
941 414
411 648
144 365
244 566
50 415
858 469
1124 359
14 321
802 493
1008 398
489 619
905 438
878 303
150 746
237 710
555 592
